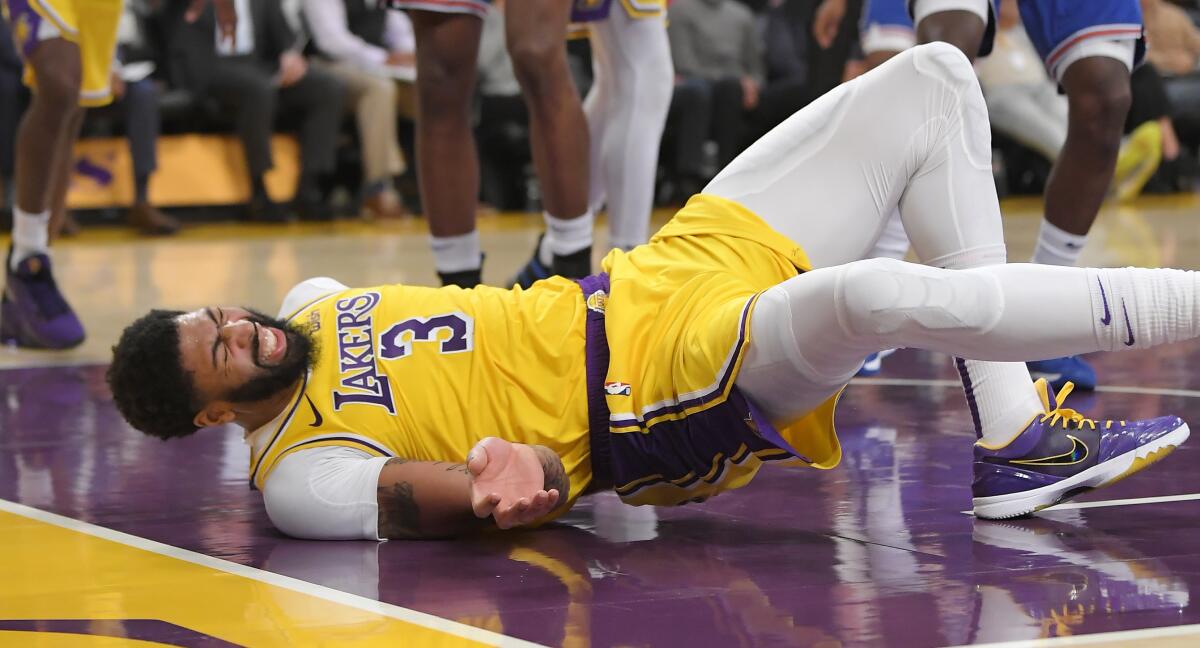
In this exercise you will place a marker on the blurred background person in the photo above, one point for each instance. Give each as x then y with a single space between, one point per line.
718 56
13 98
502 130
626 110
135 112
260 76
1175 51
372 51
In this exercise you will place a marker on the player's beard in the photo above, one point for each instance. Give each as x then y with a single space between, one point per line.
296 361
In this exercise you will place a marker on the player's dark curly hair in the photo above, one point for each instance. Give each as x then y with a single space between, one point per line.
148 382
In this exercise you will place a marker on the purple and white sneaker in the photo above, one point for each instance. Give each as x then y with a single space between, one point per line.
33 313
1061 454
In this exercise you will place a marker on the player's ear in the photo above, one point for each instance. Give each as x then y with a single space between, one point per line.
215 413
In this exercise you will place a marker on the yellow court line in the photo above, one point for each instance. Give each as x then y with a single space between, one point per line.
55 567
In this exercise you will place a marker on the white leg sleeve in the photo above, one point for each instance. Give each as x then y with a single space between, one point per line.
811 332
634 80
893 240
913 132
325 493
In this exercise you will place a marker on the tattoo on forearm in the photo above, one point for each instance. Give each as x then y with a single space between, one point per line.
453 467
555 473
399 515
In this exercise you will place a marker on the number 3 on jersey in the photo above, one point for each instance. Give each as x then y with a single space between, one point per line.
395 342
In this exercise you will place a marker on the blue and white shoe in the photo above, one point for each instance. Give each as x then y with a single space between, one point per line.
874 363
1060 371
533 271
1061 454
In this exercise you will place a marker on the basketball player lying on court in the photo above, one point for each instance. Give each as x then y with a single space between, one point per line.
411 412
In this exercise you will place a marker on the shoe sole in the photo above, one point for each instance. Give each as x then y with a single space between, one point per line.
1002 507
12 333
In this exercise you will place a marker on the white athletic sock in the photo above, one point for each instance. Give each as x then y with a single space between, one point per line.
30 235
1057 247
566 235
456 253
1000 396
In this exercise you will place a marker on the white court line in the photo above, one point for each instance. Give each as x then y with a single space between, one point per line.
1187 497
932 382
1098 638
279 580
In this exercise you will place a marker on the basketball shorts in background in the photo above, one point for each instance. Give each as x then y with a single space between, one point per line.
91 24
886 27
1064 31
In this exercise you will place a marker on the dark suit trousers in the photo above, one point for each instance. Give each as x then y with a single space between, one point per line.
247 87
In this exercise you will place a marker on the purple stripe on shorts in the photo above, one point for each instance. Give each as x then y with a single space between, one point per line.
969 389
586 11
706 397
767 430
674 449
596 363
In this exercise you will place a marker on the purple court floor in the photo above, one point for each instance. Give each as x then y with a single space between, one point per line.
877 552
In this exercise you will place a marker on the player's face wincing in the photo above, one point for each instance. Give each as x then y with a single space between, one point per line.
239 355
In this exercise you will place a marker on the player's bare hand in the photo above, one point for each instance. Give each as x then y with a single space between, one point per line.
508 483
226 14
828 21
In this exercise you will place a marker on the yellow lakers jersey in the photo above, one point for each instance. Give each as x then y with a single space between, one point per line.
425 373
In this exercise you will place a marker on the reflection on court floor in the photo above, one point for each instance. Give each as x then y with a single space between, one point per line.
113 538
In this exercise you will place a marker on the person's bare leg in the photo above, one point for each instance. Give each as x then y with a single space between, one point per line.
60 180
447 46
1098 96
33 312
47 123
558 129
961 29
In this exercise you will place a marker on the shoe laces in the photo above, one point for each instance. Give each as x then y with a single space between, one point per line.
1069 418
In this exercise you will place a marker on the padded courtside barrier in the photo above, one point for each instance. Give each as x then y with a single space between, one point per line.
193 170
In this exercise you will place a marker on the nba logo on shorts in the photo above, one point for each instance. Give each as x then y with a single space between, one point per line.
616 388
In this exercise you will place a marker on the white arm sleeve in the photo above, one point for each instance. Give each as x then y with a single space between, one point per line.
325 493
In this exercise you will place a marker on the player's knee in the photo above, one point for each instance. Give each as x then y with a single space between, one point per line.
59 89
539 65
880 297
1099 113
945 62
442 91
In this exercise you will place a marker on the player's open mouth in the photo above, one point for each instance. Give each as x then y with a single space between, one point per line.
272 344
